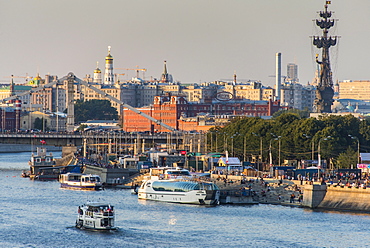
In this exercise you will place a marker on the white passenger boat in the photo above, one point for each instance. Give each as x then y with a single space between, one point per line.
80 181
178 187
96 216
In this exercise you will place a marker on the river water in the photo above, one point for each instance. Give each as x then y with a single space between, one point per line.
40 214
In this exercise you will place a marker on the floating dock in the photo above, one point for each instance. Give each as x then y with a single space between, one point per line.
238 196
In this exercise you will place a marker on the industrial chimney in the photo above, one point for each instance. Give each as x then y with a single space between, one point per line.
278 76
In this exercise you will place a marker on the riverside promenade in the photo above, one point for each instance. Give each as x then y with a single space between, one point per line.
294 193
268 190
314 195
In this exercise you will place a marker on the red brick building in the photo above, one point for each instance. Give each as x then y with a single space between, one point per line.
10 116
169 109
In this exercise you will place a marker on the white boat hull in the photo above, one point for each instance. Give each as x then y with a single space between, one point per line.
93 225
78 185
80 181
201 196
95 216
198 197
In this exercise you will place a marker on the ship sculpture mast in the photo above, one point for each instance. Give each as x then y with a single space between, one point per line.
324 91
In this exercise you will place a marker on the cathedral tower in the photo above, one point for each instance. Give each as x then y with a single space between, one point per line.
108 75
97 74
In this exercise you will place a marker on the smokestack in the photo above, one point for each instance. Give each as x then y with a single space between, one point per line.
278 76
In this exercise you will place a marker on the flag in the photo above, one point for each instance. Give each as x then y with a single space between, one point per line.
43 142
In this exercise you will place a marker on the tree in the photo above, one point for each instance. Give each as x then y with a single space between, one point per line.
299 137
38 124
82 127
301 113
94 110
347 159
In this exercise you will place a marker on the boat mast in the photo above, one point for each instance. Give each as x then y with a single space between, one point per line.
324 90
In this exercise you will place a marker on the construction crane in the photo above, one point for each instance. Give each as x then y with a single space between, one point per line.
283 77
117 76
137 69
26 77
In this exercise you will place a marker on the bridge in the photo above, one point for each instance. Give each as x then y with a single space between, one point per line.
119 141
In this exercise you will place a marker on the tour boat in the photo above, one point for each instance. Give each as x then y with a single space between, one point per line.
95 216
80 181
178 187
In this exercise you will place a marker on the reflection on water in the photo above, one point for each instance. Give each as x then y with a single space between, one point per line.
40 214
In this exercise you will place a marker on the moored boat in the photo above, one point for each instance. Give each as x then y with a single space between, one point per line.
39 163
95 216
178 188
80 181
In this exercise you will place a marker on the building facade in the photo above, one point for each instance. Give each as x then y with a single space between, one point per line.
173 111
359 90
298 96
10 114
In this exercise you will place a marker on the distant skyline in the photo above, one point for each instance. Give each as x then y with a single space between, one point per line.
201 40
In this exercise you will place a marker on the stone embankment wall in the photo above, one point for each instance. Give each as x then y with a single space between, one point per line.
313 195
348 198
336 198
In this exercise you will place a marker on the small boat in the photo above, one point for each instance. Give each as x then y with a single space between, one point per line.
178 186
95 216
25 173
80 181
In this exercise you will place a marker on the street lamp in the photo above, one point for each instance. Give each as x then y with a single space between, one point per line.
313 146
358 147
261 150
319 156
225 142
270 149
245 148
270 152
232 143
278 138
216 150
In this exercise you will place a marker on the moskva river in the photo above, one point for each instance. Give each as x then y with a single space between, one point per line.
41 214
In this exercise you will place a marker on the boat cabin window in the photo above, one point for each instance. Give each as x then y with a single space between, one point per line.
179 173
74 178
94 179
47 160
180 186
38 160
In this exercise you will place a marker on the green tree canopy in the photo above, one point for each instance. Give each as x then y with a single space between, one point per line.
347 159
39 125
293 136
94 110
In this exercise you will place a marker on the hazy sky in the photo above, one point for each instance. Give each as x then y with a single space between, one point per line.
202 40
